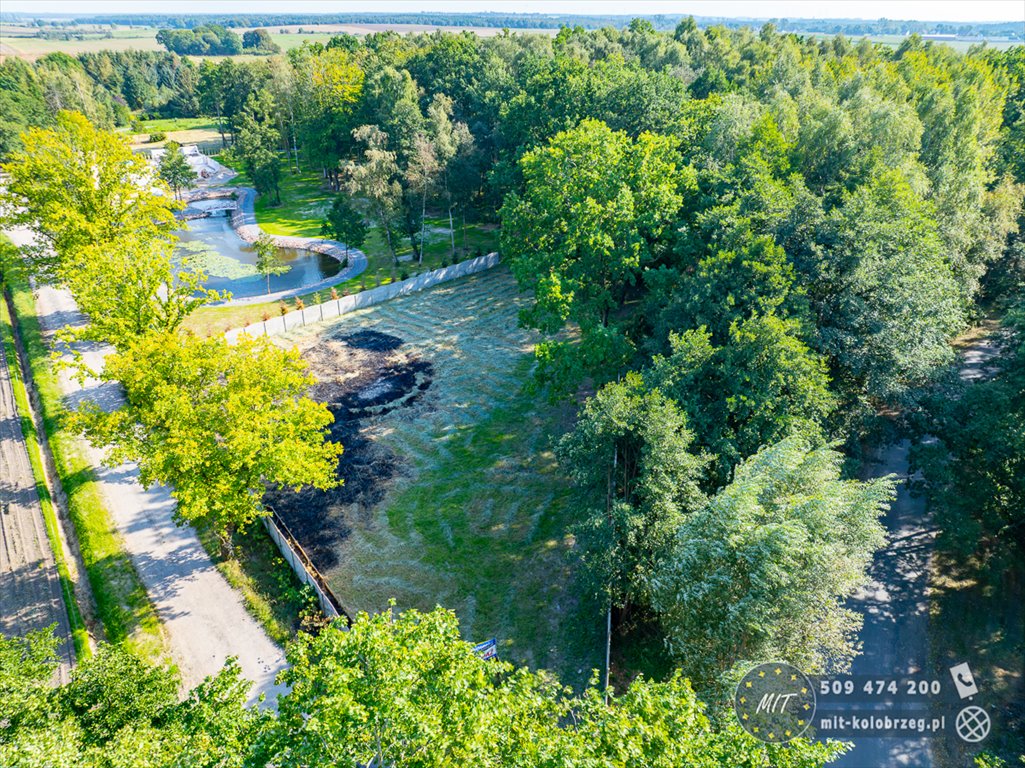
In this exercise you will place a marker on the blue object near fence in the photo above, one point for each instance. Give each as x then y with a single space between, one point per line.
487 650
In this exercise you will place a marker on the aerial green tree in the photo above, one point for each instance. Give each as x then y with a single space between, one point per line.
78 186
115 689
636 476
421 175
118 711
725 288
407 690
215 422
128 287
451 140
887 300
175 170
259 41
396 690
345 223
763 570
257 142
594 205
373 183
22 103
321 89
268 260
763 383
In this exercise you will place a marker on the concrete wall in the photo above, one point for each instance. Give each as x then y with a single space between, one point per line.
345 304
302 566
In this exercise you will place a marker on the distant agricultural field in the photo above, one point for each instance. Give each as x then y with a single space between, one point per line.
451 493
21 41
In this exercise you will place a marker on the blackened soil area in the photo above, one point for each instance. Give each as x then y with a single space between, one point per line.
362 376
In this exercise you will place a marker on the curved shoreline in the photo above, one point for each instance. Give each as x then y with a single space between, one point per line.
243 222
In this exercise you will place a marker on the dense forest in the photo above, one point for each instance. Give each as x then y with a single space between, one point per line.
215 40
740 248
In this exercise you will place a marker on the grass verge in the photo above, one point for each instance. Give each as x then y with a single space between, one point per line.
79 634
122 604
272 593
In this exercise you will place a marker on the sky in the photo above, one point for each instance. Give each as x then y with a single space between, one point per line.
923 10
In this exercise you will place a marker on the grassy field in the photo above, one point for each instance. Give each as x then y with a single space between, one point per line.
184 130
121 601
21 41
305 201
473 516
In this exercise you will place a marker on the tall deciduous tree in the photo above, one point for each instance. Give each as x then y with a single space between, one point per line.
420 176
451 140
344 222
372 184
636 477
175 170
78 186
400 690
118 711
761 385
594 206
407 691
887 299
215 422
257 142
762 571
128 287
268 260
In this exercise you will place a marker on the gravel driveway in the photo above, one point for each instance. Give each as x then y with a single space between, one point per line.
204 618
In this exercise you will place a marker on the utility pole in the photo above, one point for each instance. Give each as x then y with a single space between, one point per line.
608 614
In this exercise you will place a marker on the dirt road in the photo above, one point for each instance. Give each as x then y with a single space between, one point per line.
895 604
205 619
30 590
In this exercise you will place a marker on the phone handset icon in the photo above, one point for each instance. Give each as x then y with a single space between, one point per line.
964 680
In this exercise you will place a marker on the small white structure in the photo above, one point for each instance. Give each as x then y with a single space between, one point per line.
206 168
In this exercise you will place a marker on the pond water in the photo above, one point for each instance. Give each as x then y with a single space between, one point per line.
211 244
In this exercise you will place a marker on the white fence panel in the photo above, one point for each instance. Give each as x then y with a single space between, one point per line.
345 304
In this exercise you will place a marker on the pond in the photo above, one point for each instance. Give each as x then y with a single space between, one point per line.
211 244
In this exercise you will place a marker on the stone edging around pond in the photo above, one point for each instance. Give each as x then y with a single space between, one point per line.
243 221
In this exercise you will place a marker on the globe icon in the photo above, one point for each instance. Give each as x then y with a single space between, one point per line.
972 724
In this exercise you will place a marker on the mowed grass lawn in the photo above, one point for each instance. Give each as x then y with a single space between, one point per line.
478 518
305 202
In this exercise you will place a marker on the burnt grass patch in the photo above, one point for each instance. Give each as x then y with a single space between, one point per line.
372 341
362 376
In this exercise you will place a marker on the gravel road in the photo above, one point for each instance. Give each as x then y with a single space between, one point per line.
205 619
30 590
